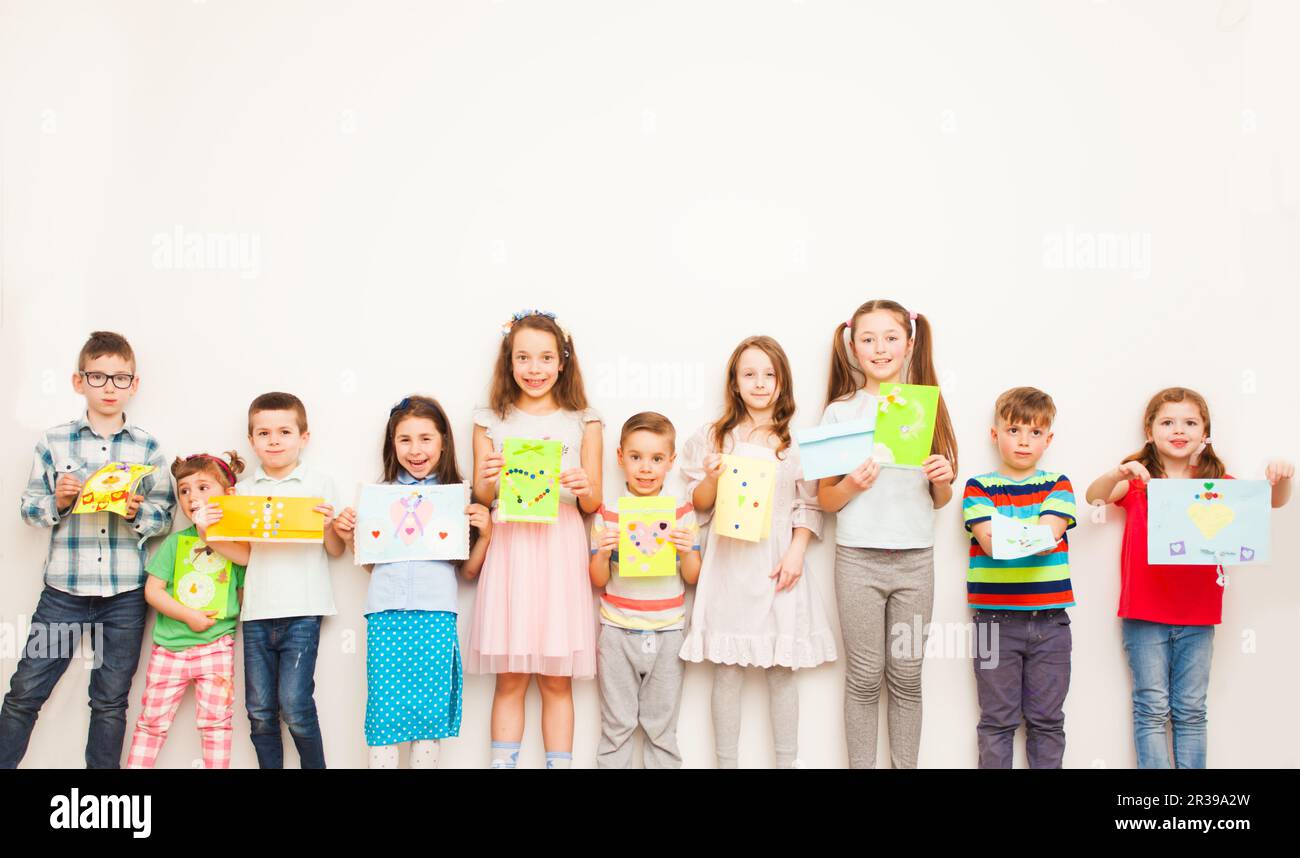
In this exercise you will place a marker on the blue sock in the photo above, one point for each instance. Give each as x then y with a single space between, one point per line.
558 759
505 755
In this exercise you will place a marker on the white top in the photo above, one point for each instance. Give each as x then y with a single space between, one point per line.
566 427
290 580
897 511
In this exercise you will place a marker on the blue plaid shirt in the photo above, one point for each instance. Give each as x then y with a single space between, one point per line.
98 553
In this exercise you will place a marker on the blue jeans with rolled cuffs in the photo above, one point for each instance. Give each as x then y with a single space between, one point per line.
1170 666
115 626
1026 679
280 683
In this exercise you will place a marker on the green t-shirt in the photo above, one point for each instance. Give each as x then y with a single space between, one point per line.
174 634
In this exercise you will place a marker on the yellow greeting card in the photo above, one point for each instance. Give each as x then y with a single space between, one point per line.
644 549
743 509
109 489
253 518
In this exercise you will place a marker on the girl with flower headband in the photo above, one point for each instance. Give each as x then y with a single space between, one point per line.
413 665
884 540
534 612
193 644
1169 612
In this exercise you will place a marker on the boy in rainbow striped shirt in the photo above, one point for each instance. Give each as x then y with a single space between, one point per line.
1020 602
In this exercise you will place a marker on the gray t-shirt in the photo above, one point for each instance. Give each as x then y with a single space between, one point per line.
897 511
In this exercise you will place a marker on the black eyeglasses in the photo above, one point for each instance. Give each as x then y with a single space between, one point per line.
121 380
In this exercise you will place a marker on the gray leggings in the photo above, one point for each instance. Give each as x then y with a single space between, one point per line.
882 590
784 706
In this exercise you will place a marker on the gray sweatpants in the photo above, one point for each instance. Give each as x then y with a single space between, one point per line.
640 676
885 596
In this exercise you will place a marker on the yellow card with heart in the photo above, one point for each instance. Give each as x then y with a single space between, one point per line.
644 549
743 509
109 489
251 518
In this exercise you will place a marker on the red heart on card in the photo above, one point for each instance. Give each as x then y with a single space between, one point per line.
375 534
410 530
442 534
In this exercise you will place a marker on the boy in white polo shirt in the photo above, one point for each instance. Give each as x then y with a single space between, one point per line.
286 590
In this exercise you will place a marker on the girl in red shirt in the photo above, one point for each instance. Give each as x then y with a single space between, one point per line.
1169 612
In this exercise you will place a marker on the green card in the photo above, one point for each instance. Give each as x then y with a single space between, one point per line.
905 422
202 578
529 488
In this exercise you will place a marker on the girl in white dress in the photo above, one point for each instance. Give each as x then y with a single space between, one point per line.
754 605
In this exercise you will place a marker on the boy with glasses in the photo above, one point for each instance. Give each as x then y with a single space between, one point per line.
95 569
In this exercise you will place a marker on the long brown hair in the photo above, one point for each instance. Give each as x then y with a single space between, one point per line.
421 406
734 410
1208 464
569 392
847 379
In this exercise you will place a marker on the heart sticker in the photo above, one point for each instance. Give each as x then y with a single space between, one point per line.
648 537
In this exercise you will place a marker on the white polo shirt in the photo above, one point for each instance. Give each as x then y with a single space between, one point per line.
290 580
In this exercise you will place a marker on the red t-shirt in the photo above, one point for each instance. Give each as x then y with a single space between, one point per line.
1176 595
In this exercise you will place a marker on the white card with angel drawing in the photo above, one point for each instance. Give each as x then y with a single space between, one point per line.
1013 538
398 522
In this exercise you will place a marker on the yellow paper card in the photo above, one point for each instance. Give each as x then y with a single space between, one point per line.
109 489
644 549
743 509
254 518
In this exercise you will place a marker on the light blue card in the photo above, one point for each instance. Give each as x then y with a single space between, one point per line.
412 522
833 449
1208 522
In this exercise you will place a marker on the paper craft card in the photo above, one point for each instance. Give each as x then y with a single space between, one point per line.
529 488
743 509
1013 538
202 578
644 550
905 421
252 518
1208 522
836 448
412 522
109 489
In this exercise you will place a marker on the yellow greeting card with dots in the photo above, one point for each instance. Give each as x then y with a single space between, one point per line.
255 518
644 549
743 509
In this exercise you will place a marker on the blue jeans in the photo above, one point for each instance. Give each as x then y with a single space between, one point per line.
1171 675
116 626
279 681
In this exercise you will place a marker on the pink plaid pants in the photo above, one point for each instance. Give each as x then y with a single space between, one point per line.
211 667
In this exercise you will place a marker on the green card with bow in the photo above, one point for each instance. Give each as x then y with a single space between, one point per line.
529 487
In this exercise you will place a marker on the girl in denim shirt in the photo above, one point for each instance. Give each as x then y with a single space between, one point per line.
413 666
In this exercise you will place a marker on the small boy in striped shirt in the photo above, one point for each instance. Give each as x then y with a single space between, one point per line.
1019 598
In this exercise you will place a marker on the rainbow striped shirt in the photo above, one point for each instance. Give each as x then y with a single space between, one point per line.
1028 583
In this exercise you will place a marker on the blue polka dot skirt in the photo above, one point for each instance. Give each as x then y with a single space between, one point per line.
413 676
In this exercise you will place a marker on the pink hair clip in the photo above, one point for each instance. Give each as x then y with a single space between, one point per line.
912 316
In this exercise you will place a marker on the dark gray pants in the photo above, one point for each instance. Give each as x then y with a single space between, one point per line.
1028 680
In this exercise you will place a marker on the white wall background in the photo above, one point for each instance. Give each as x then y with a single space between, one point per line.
669 178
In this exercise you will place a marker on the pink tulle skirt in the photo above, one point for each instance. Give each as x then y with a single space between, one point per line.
534 611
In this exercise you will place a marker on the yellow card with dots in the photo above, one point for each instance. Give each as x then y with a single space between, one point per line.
644 549
743 509
256 518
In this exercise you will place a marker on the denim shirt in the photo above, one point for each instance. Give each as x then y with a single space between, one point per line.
412 585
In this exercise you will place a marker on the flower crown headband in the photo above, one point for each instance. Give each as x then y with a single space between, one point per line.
509 324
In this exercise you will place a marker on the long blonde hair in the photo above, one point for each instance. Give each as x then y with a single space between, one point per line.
734 411
847 379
